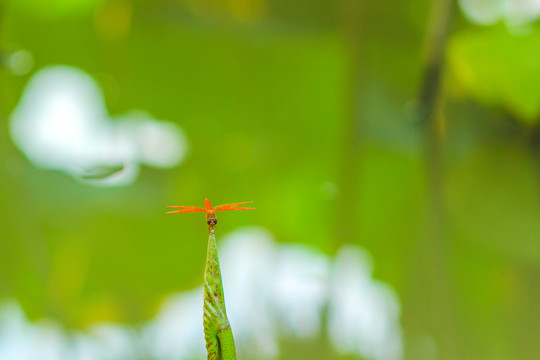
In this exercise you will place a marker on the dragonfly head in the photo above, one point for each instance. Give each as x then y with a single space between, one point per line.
212 221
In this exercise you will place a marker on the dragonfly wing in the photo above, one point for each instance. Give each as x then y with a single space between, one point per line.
185 209
240 208
194 208
226 207
182 211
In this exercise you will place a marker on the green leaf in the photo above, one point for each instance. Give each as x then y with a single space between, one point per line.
499 68
217 330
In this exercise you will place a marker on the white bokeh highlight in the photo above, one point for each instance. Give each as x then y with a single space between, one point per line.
272 292
61 123
20 62
363 312
512 12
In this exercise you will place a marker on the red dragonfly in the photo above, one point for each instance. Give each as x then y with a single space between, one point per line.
211 218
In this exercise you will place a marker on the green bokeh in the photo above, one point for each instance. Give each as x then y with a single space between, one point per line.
263 104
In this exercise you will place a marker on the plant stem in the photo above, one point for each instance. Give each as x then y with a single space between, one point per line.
348 173
431 277
217 330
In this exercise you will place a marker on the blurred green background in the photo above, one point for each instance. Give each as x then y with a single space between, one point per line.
315 111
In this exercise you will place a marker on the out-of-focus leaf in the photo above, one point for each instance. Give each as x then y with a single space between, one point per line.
499 68
217 330
487 211
56 8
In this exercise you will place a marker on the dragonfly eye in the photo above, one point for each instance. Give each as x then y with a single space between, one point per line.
212 221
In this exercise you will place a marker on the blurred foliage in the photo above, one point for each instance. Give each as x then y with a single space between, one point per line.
54 9
259 88
500 69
